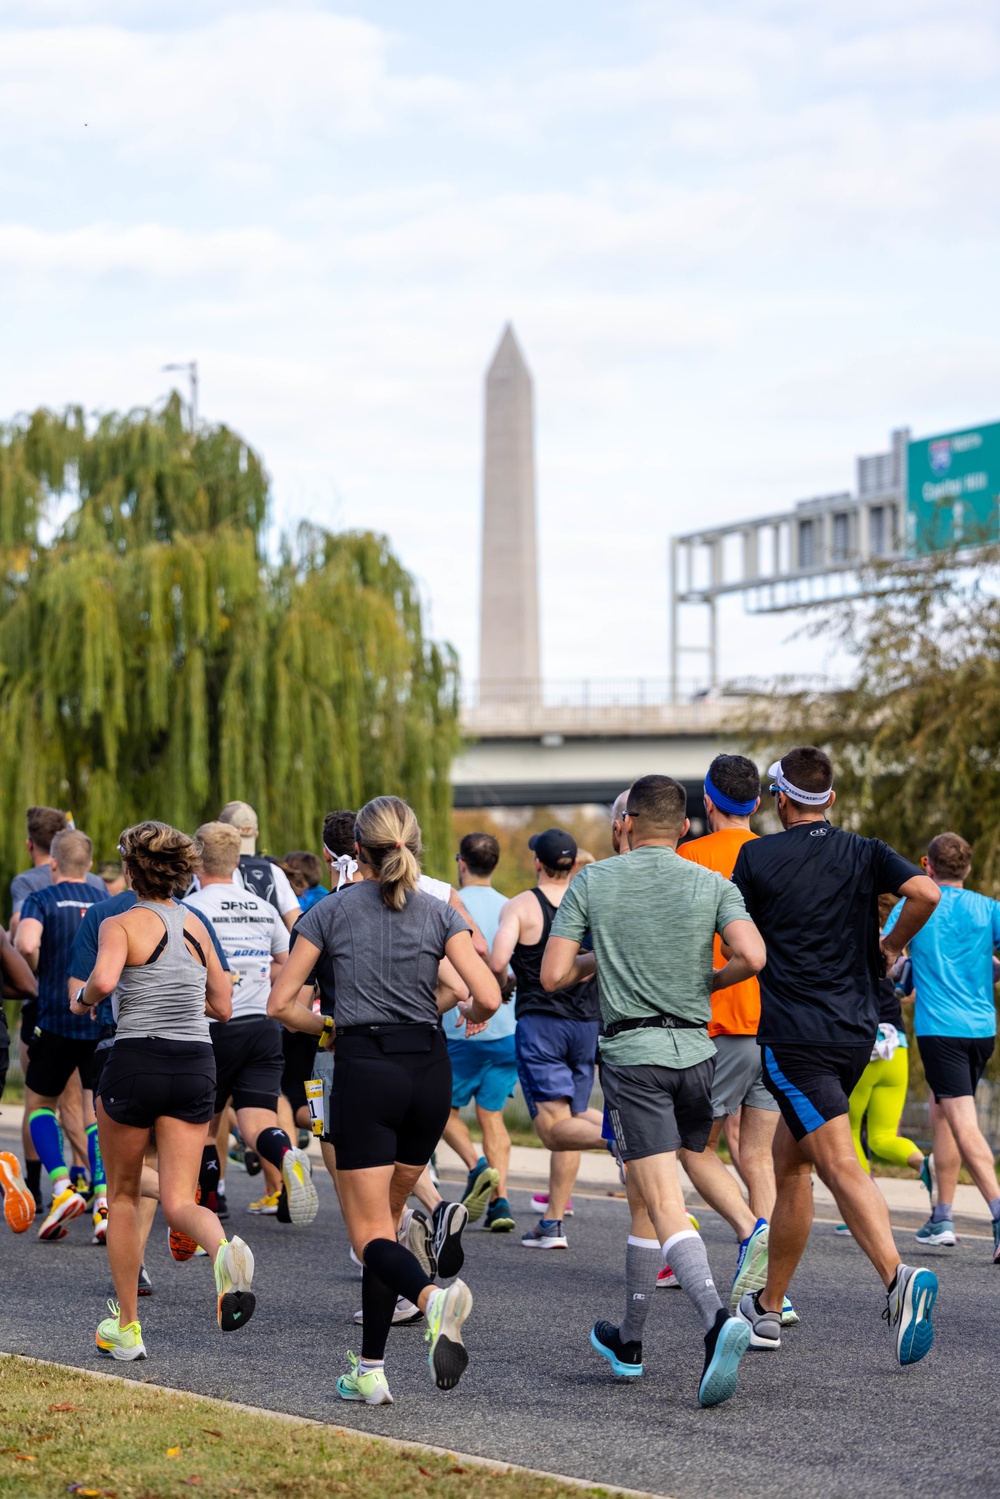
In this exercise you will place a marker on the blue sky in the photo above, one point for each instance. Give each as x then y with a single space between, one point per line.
738 242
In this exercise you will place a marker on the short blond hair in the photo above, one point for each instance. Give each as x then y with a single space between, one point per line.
220 847
72 851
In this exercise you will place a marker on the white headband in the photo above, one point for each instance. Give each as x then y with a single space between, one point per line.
809 798
345 865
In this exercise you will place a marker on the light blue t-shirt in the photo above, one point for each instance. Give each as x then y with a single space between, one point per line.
484 905
953 965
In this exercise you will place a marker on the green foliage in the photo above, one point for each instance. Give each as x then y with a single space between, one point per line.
155 663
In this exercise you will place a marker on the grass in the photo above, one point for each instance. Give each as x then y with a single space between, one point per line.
63 1428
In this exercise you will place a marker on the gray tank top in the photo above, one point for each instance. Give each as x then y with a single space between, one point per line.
165 999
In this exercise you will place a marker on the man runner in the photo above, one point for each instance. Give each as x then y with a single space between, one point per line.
653 918
813 890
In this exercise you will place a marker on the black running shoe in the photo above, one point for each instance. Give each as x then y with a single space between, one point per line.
625 1358
447 1222
222 1211
251 1161
284 1216
145 1284
725 1344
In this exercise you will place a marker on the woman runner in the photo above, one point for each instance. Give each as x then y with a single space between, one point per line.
158 961
391 1093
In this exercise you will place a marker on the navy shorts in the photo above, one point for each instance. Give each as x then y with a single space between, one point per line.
812 1084
953 1065
556 1059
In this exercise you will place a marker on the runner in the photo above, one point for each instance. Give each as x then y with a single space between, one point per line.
43 823
813 891
556 1035
159 962
732 796
248 1054
483 1062
391 1092
653 918
18 983
256 873
305 875
62 1044
955 1023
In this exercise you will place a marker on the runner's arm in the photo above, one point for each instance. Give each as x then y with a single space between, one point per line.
450 989
920 896
508 935
481 983
479 942
283 1001
744 942
112 954
29 940
19 981
563 964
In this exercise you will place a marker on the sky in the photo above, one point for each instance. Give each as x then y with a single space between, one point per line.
738 242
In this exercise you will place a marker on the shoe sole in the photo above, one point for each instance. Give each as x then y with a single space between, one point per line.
123 1355
624 1371
53 1228
18 1203
420 1243
500 1226
482 1190
382 1398
545 1243
449 1357
303 1203
765 1344
236 1306
251 1163
917 1334
752 1274
720 1379
539 1206
449 1254
943 1241
181 1247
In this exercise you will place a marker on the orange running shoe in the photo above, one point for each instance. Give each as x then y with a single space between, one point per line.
18 1203
181 1247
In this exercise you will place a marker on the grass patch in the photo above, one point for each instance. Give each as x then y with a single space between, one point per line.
63 1427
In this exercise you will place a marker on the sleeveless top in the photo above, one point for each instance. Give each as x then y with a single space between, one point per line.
579 1002
164 998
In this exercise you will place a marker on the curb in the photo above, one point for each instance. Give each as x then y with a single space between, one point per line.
351 1433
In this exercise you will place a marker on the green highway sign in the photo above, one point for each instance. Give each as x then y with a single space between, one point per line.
953 490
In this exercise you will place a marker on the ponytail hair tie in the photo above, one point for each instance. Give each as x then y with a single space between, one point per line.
399 845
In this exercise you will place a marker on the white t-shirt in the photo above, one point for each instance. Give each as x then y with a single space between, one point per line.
285 898
251 932
440 889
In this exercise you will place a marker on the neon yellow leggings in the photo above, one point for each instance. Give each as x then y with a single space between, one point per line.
881 1094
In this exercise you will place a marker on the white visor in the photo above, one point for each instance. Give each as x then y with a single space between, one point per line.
808 798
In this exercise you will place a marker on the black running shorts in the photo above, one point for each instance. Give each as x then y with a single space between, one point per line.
388 1104
4 1051
248 1062
299 1051
812 1084
953 1065
148 1079
653 1110
53 1059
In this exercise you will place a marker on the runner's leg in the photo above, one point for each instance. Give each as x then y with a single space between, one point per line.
791 1218
756 1137
496 1145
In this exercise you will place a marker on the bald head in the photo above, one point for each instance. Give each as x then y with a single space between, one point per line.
618 840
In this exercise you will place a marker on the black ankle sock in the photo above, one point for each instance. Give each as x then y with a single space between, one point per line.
272 1144
397 1268
378 1302
33 1179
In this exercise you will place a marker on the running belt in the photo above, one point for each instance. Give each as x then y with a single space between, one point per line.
653 1023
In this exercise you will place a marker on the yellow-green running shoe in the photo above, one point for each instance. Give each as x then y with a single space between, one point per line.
120 1342
372 1388
296 1173
233 1277
446 1312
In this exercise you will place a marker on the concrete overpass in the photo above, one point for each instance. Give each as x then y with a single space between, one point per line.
560 744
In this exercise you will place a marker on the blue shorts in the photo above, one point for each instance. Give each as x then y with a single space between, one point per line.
556 1059
482 1070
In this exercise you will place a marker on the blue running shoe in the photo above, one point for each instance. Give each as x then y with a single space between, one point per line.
996 1241
725 1345
547 1234
789 1316
929 1177
941 1234
751 1266
625 1358
908 1309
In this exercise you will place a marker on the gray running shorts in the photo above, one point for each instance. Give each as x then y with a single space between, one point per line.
738 1078
656 1109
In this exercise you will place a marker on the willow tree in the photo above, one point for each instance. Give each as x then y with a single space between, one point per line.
155 662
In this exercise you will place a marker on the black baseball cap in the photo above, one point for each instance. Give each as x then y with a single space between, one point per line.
553 848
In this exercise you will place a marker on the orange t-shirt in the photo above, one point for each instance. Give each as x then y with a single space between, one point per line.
735 1011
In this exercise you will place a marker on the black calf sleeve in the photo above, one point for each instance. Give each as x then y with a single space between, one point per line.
378 1302
272 1144
397 1268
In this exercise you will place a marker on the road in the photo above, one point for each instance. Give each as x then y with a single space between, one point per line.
831 1415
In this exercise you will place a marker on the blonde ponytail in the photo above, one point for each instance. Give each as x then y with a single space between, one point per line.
389 835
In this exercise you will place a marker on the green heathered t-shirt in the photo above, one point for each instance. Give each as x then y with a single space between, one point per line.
652 917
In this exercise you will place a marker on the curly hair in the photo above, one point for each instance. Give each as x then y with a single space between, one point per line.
158 859
389 837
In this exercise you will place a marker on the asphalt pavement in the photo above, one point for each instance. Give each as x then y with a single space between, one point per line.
830 1415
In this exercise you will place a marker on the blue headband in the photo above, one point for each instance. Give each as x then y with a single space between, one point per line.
726 803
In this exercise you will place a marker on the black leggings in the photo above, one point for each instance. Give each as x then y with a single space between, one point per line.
389 1105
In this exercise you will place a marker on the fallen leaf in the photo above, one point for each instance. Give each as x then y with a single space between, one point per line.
64 1405
173 1452
425 1473
210 1433
192 1480
25 1457
46 1438
456 1470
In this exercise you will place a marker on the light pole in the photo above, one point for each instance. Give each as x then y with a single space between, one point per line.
191 370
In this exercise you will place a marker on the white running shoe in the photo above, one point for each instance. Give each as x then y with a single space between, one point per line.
296 1173
372 1388
417 1235
446 1313
404 1314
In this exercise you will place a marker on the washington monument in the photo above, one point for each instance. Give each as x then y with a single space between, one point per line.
508 619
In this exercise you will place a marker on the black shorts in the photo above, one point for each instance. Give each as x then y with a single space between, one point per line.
299 1051
953 1065
29 1019
389 1105
53 1059
656 1109
148 1079
248 1062
102 1052
812 1084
